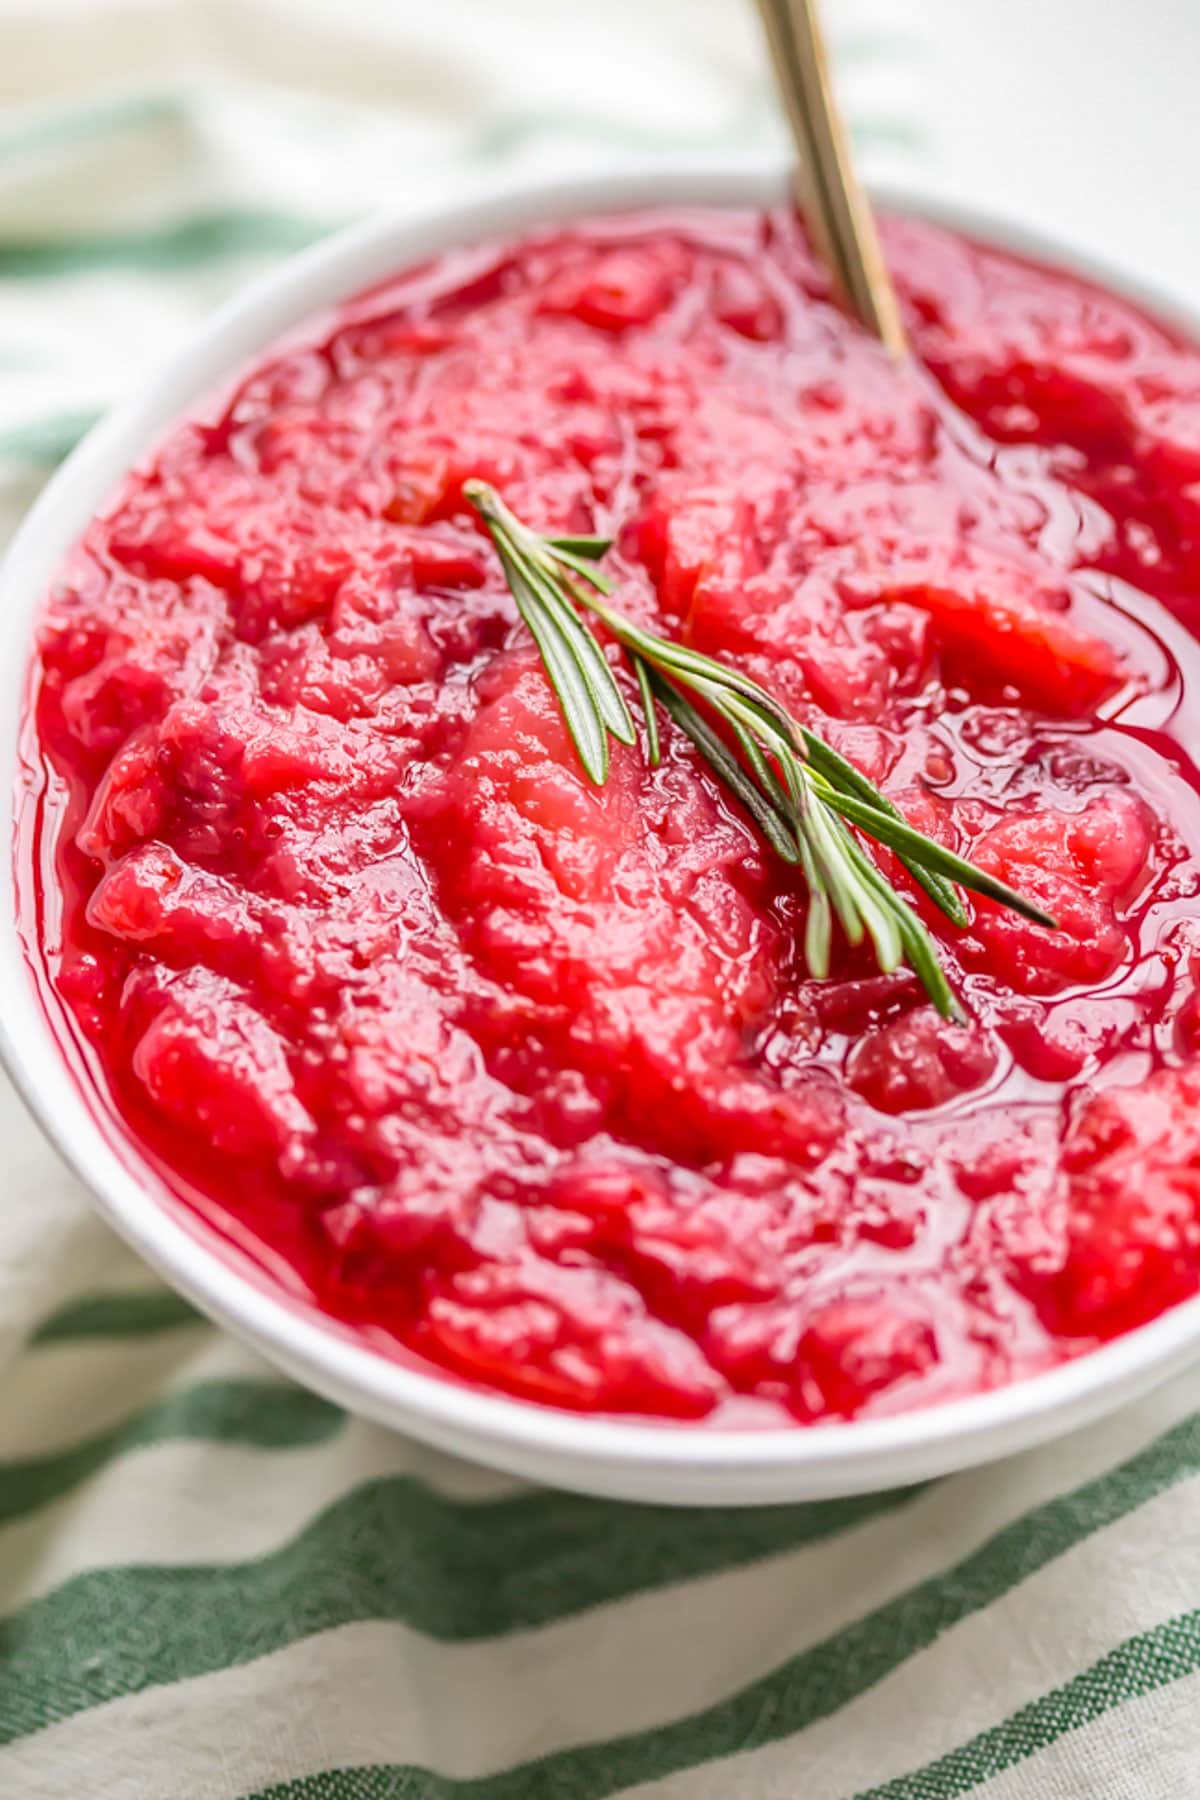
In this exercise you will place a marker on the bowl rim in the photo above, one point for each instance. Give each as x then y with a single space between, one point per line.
633 1457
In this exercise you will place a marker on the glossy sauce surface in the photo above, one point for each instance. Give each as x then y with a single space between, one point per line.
526 1077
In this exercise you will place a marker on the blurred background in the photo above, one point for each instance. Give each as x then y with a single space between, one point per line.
156 153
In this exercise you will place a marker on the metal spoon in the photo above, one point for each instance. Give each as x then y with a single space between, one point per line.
832 198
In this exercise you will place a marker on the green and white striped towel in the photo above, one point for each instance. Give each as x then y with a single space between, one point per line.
212 1584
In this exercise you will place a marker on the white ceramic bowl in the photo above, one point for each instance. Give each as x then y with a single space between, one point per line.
637 1461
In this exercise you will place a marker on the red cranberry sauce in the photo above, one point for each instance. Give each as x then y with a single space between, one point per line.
526 1076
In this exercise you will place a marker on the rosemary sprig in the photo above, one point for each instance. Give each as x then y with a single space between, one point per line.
801 794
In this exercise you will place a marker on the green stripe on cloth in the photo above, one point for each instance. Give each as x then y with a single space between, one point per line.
45 440
270 1415
1139 1666
393 1550
177 244
821 1680
140 1313
1151 1660
390 1549
59 126
380 1781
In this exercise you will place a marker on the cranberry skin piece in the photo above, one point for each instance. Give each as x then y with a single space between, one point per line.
1080 868
1131 1195
853 1350
919 1061
620 288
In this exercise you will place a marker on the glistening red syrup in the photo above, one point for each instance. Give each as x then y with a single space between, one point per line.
527 1077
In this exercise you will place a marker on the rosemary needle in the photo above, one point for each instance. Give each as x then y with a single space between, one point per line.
802 796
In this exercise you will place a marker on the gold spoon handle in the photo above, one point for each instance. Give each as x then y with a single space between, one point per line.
834 201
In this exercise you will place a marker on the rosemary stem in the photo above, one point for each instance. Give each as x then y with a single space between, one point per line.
812 807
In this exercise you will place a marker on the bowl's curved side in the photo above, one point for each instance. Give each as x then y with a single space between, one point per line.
626 1460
